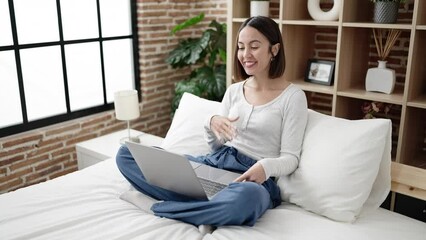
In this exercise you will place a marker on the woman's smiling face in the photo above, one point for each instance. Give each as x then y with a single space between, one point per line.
254 51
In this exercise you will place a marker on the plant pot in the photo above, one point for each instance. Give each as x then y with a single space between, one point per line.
259 8
385 12
380 79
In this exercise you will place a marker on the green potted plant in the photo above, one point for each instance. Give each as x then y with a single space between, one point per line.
206 56
259 8
386 11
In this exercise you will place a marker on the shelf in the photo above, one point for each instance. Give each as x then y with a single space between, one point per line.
421 27
414 152
311 87
419 160
377 25
241 20
310 23
419 102
394 98
238 20
417 89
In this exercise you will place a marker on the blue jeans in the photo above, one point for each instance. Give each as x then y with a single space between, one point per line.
240 203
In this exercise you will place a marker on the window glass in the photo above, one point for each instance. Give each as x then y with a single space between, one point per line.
84 75
119 73
43 82
10 102
115 18
69 58
5 27
79 19
36 21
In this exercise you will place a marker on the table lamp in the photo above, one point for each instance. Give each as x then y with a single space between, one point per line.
126 106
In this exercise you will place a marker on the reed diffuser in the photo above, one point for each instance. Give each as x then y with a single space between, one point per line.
385 39
382 79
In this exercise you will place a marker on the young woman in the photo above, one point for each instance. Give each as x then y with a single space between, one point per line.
258 132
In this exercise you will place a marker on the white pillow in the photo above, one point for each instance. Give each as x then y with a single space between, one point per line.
186 133
361 144
339 167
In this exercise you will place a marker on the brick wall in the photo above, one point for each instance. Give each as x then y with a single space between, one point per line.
46 153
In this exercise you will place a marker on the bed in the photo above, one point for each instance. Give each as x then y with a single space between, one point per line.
86 204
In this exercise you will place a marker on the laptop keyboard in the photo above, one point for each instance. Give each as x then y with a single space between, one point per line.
210 187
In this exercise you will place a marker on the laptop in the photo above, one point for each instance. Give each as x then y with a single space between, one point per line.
176 173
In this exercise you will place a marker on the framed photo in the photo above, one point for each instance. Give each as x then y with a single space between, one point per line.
320 71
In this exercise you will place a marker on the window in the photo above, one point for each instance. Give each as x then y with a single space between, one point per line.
63 59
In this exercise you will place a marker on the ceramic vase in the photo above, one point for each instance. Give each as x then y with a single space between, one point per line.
259 8
318 14
380 79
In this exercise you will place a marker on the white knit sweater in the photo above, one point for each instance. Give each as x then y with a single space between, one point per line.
271 133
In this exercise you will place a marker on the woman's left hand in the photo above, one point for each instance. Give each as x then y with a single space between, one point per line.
254 174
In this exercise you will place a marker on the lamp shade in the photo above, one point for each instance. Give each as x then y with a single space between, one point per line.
126 105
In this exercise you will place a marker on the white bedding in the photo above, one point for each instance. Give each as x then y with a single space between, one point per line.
290 222
83 205
86 205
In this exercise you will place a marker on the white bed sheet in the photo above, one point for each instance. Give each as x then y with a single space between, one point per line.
290 222
86 205
83 205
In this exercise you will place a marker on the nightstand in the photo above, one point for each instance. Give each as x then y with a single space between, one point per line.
99 149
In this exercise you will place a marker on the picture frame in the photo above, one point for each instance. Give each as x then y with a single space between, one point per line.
320 72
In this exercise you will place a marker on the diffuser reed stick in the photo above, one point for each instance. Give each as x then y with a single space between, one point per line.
385 39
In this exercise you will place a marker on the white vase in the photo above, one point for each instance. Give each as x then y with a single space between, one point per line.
259 8
380 79
318 14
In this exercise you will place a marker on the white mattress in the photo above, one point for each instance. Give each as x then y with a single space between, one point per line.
86 205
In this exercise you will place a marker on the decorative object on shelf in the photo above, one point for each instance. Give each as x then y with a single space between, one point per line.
371 109
259 8
320 71
126 106
318 14
382 79
386 11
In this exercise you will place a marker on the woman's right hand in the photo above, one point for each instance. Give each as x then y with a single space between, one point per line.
223 128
